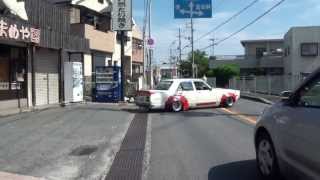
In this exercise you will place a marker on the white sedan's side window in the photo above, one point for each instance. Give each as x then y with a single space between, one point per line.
310 95
200 86
186 86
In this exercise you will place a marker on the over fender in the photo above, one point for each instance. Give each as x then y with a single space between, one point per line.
182 99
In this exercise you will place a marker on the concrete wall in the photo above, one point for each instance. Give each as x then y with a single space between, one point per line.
99 40
93 4
137 50
87 65
288 46
250 48
296 64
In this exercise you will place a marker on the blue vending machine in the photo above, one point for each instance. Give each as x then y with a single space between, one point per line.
108 84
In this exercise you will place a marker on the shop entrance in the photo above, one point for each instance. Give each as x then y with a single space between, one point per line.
13 80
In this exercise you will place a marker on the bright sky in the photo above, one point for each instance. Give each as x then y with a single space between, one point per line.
275 25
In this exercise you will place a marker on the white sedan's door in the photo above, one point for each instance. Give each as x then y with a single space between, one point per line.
187 90
205 96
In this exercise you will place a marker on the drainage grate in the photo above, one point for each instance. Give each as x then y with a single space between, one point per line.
83 150
129 160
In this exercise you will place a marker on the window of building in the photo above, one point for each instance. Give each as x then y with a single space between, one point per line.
260 52
309 49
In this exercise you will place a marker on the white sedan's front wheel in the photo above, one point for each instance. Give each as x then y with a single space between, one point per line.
176 106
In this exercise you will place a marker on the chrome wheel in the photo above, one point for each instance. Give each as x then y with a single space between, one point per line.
265 157
229 102
176 106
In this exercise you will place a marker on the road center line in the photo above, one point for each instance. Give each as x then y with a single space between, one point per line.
249 120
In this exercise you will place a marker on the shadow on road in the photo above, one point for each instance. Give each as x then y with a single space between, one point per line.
242 170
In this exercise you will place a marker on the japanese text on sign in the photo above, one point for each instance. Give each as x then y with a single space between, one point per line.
15 32
122 15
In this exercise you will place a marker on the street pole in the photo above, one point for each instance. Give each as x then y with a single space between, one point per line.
180 51
122 65
192 40
150 50
213 48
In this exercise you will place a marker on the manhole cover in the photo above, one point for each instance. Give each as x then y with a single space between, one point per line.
84 150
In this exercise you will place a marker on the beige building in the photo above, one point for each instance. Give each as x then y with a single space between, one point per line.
92 20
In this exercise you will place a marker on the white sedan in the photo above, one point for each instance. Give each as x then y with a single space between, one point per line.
183 94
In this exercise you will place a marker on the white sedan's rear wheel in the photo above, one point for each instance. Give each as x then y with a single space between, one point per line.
176 106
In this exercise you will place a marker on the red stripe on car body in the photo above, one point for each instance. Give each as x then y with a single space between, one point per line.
207 104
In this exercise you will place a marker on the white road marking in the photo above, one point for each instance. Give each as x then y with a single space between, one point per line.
10 176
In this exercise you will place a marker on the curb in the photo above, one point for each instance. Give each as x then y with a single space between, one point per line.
257 99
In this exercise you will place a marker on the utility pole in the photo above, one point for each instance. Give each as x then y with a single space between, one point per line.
213 46
123 78
145 54
180 51
150 50
192 40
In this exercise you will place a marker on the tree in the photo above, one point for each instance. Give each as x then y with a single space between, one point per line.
201 61
224 73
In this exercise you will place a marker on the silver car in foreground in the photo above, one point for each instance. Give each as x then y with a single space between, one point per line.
287 135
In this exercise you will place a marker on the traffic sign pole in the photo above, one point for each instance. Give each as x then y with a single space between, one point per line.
190 9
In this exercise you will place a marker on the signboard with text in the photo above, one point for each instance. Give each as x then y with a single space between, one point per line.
122 15
19 32
196 8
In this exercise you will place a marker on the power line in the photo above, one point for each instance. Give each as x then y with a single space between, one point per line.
228 20
246 26
225 22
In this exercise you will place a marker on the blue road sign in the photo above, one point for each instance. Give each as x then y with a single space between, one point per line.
198 9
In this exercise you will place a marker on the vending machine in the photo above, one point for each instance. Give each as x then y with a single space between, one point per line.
77 78
108 84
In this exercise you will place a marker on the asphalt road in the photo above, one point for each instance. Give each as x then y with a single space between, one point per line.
213 144
75 142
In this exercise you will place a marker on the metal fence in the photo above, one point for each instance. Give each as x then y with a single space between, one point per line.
265 84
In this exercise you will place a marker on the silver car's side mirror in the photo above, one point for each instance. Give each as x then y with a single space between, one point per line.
285 95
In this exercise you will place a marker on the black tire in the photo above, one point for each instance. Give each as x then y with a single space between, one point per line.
267 162
229 102
176 106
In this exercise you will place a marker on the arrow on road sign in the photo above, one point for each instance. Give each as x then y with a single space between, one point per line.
196 8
